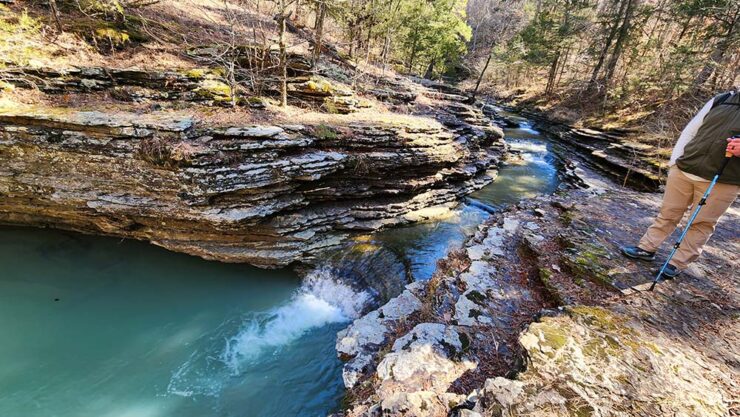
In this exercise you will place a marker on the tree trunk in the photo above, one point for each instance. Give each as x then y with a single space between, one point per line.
412 55
352 43
716 57
370 25
474 44
283 57
553 73
55 14
430 70
563 63
386 47
319 29
605 49
483 71
621 40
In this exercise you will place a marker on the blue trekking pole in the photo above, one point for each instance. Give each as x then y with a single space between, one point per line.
703 201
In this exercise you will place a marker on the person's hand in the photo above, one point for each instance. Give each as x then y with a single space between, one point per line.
733 146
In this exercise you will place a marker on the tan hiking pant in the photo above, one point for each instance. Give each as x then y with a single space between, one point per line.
680 193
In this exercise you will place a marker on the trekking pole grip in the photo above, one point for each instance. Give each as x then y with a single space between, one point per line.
728 156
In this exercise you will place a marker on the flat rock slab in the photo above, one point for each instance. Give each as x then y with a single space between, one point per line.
671 352
613 220
34 116
591 361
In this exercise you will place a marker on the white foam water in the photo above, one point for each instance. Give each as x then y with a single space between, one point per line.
321 300
526 125
529 147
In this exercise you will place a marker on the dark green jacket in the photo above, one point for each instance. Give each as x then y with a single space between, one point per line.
705 153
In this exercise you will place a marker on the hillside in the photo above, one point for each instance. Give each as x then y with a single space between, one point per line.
191 149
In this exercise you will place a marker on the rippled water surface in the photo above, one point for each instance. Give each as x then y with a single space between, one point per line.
101 327
107 328
531 171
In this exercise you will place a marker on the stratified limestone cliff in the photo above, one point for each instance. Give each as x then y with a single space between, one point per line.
268 195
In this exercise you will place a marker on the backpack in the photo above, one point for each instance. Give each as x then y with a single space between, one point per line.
720 99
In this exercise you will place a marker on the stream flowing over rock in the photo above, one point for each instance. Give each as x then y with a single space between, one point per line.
268 195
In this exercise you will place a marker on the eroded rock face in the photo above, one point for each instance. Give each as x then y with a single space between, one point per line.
464 316
129 84
359 342
205 86
611 151
266 195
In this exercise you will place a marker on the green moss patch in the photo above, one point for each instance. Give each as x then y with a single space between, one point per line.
215 90
589 260
325 132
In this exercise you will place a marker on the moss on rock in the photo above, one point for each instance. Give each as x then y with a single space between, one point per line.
587 260
600 353
215 90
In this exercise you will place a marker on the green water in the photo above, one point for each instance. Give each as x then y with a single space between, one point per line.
102 327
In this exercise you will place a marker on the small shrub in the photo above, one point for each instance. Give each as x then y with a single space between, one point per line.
166 152
15 31
325 132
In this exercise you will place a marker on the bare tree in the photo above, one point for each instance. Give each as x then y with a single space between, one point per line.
55 14
319 31
283 14
501 20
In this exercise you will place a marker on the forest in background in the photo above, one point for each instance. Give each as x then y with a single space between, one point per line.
614 63
637 64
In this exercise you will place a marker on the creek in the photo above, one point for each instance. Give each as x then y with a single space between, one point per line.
95 326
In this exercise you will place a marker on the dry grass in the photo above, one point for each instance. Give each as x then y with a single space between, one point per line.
211 116
28 37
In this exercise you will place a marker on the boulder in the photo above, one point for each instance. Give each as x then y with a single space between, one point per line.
430 357
360 342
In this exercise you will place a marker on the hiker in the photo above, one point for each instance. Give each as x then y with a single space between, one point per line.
696 158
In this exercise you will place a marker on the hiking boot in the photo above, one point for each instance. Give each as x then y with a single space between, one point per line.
635 252
670 272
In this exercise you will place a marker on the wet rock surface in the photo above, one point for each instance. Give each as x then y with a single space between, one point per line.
554 325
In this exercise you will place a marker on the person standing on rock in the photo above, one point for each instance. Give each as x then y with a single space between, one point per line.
697 156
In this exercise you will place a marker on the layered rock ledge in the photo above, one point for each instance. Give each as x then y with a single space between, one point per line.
268 195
